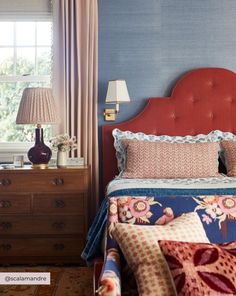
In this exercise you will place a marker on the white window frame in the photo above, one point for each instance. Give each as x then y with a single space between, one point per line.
8 149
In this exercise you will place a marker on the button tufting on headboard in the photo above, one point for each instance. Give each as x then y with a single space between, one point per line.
173 116
228 99
211 115
202 100
212 84
193 99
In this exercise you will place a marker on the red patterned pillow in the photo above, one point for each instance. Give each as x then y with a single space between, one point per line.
229 148
170 160
200 268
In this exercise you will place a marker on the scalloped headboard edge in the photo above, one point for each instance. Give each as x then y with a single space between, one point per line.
201 101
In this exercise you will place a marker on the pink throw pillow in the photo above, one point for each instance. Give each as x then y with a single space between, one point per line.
170 160
229 148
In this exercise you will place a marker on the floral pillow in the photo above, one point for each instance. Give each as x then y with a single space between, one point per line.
118 135
139 244
201 269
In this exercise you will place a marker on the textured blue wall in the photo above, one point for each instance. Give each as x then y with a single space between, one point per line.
151 43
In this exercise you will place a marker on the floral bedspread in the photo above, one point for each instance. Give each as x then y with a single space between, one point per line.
220 186
217 213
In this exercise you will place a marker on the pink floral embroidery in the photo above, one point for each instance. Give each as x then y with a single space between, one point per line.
206 219
167 216
139 207
213 210
124 213
217 207
132 209
227 204
113 215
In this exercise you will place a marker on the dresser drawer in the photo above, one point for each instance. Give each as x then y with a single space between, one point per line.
41 247
59 203
10 204
43 215
48 181
31 225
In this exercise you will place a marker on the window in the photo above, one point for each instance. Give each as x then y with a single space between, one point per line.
25 61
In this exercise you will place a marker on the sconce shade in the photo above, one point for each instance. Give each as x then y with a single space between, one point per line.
117 92
37 106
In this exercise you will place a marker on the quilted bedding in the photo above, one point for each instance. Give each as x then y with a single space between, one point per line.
150 202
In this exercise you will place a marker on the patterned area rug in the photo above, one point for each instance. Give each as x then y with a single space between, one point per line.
65 281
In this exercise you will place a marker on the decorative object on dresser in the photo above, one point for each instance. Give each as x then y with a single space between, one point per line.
43 215
63 144
117 93
37 106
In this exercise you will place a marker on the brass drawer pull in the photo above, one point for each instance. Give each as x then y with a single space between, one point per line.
5 182
59 203
58 225
59 247
5 247
58 181
5 204
5 225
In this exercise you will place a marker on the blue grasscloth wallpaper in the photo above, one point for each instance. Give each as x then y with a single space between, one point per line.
151 43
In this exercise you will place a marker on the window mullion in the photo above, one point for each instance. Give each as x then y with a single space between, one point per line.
27 78
36 50
15 54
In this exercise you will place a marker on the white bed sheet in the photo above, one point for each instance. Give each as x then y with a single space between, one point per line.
200 183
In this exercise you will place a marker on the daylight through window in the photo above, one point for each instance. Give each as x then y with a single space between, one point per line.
25 61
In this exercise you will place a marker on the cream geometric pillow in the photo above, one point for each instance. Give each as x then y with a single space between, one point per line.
140 247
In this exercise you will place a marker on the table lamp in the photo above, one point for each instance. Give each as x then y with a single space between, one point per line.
38 107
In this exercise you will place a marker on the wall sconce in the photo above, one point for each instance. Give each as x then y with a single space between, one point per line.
117 93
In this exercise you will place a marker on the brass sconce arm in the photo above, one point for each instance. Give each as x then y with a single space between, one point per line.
110 114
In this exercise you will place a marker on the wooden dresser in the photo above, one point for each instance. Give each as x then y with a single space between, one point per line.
43 215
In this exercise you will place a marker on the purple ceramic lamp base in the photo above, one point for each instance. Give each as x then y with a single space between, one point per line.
40 154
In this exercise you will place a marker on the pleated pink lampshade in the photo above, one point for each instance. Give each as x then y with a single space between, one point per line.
37 106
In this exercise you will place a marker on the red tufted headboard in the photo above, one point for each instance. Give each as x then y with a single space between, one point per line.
202 100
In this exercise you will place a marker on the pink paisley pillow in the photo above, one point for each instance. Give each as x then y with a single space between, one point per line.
229 148
201 268
170 160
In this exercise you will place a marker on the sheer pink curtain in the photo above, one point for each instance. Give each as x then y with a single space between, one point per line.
75 55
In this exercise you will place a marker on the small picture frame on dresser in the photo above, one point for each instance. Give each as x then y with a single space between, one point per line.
75 161
18 160
52 163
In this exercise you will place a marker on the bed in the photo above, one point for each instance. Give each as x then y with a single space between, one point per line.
202 105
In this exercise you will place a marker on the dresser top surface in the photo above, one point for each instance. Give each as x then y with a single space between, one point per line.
49 170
